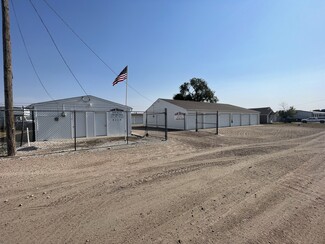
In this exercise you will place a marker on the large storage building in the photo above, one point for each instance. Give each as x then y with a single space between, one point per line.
189 115
94 117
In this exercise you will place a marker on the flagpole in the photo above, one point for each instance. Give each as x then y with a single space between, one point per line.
121 77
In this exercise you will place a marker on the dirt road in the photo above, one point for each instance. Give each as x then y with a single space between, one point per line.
261 184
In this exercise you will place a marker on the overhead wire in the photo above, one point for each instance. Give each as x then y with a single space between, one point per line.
79 37
28 54
76 34
57 48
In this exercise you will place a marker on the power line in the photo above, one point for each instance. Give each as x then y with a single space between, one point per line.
140 93
28 54
57 48
78 36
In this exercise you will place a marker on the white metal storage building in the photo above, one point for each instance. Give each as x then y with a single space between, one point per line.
94 117
186 115
137 118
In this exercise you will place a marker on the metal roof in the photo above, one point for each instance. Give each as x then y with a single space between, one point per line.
208 107
264 111
73 100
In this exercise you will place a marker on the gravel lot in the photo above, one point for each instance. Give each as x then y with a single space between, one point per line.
258 184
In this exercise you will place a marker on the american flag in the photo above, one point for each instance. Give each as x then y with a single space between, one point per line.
122 76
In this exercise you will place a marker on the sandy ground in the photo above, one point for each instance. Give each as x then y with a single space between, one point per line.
261 184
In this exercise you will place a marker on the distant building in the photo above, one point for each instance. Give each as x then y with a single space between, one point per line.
187 115
20 113
301 114
137 118
267 115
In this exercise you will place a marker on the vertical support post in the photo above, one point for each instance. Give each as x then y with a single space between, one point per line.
166 128
127 126
27 133
22 130
33 126
217 123
146 125
75 129
126 104
7 76
196 129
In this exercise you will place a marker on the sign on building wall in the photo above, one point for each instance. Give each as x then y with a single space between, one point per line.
117 115
179 116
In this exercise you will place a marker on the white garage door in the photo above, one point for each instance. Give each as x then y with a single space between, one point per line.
235 120
245 119
190 121
224 120
90 124
81 124
210 120
254 119
100 124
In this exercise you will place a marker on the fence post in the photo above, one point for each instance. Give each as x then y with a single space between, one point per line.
75 130
166 128
217 123
22 130
34 127
146 125
127 127
196 129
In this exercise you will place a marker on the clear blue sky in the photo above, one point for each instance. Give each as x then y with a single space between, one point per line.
252 53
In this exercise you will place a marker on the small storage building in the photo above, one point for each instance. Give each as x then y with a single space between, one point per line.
267 115
137 118
187 115
93 116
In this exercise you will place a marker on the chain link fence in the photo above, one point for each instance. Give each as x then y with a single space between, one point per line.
49 131
154 124
200 121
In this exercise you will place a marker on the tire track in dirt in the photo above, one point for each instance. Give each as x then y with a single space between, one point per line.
182 171
66 225
241 222
268 200
219 157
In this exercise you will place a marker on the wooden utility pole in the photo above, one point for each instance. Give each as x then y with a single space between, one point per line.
7 71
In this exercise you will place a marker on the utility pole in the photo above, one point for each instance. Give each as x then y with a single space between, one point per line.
7 72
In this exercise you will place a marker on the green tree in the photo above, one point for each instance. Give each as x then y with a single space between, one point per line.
286 114
196 90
